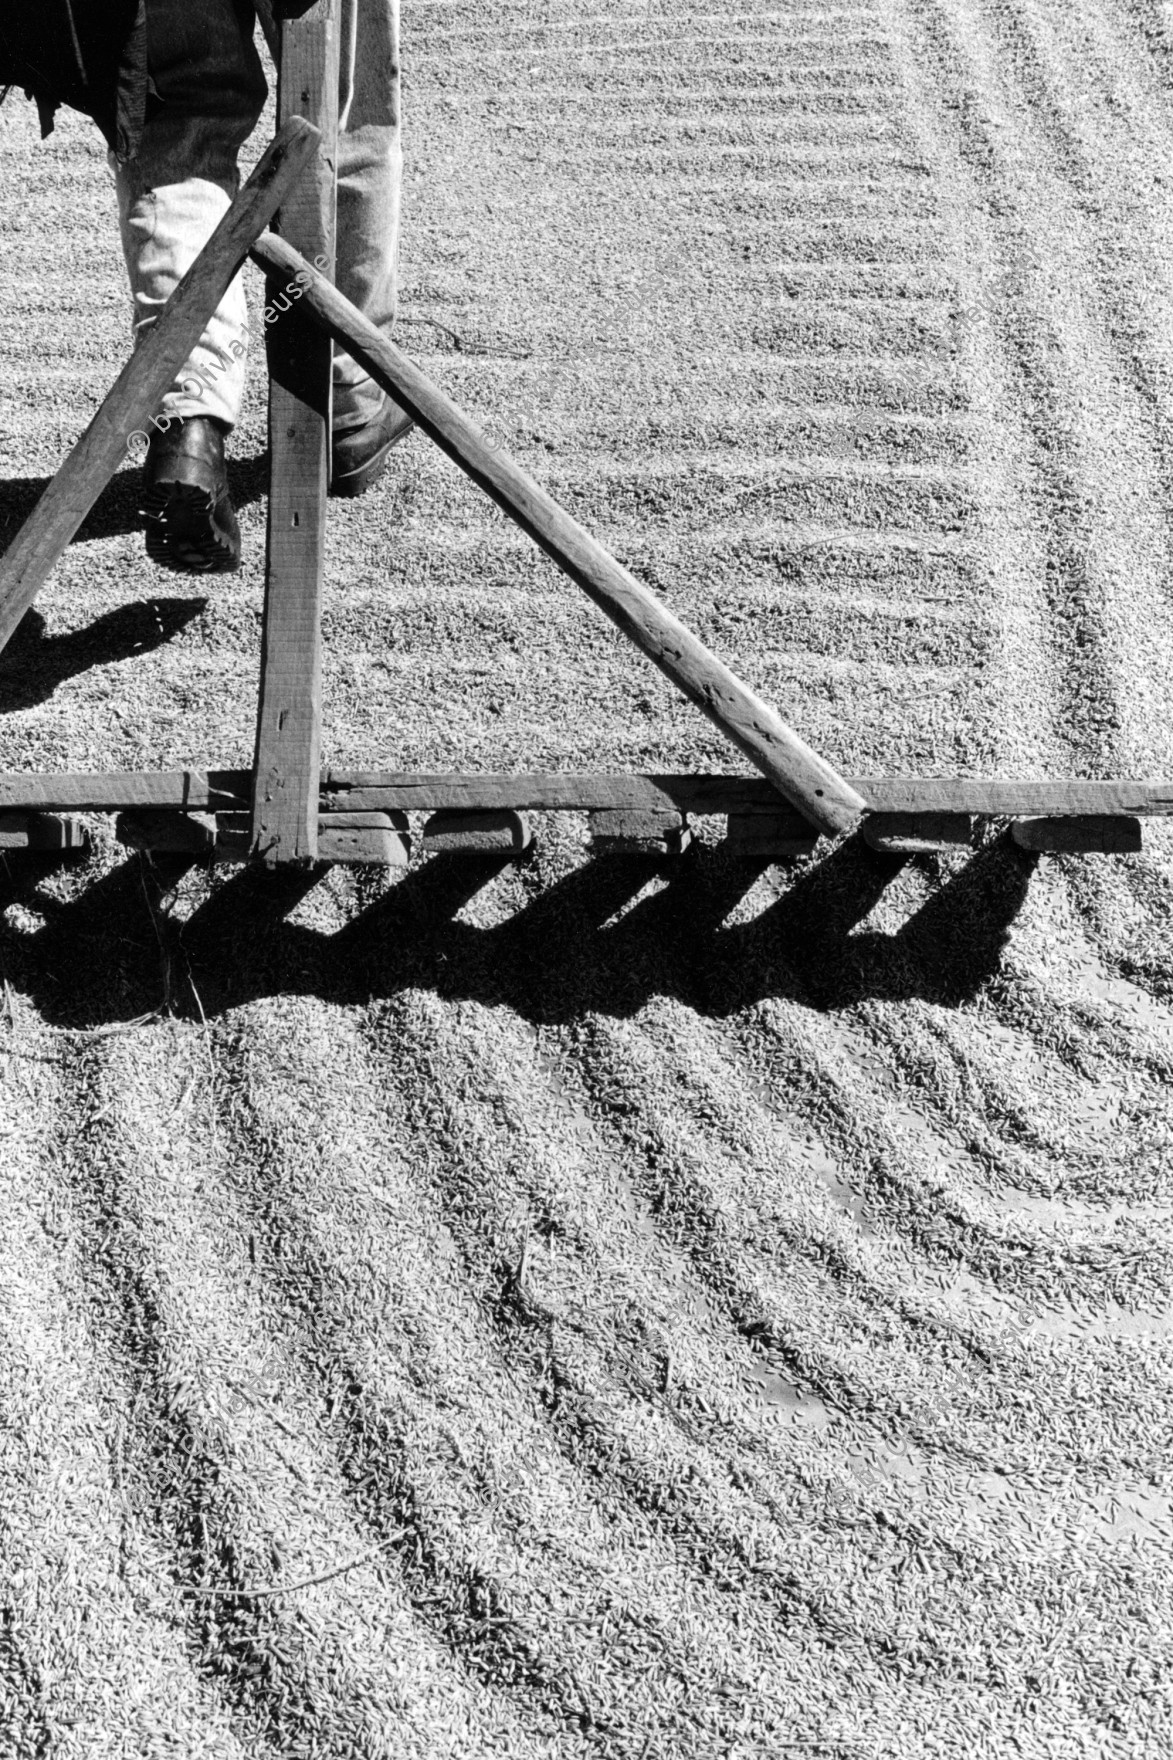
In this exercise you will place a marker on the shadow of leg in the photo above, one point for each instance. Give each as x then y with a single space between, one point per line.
33 664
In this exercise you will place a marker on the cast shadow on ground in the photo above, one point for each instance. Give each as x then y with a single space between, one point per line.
34 664
110 955
115 512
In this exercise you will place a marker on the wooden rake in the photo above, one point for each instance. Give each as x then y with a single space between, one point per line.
285 809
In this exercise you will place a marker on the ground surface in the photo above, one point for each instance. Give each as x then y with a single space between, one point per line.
710 1315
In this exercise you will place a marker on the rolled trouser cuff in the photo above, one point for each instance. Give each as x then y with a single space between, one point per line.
164 229
370 168
355 403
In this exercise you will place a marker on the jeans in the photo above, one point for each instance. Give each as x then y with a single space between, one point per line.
208 93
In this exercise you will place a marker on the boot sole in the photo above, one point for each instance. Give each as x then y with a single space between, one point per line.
182 533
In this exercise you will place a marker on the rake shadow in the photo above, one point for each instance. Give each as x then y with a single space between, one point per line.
108 955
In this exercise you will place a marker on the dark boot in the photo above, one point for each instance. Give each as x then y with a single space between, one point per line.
184 504
358 457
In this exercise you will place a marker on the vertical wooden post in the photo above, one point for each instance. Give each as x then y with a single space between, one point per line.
287 764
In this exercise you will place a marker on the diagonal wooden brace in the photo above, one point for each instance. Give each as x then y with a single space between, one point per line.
806 780
138 390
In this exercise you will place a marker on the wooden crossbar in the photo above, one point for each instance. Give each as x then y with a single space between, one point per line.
139 389
200 790
804 778
714 793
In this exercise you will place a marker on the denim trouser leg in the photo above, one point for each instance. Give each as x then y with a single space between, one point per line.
172 196
370 167
163 231
208 89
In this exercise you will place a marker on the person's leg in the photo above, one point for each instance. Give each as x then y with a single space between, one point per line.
163 231
208 92
370 166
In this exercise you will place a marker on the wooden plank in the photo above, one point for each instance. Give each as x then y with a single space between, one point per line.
289 714
501 832
138 390
632 822
671 843
543 793
382 791
799 773
784 824
383 844
181 790
995 799
701 793
910 834
57 831
234 837
623 831
342 837
668 843
364 821
1096 834
42 831
770 834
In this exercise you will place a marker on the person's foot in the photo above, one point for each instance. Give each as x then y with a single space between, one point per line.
358 456
185 506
